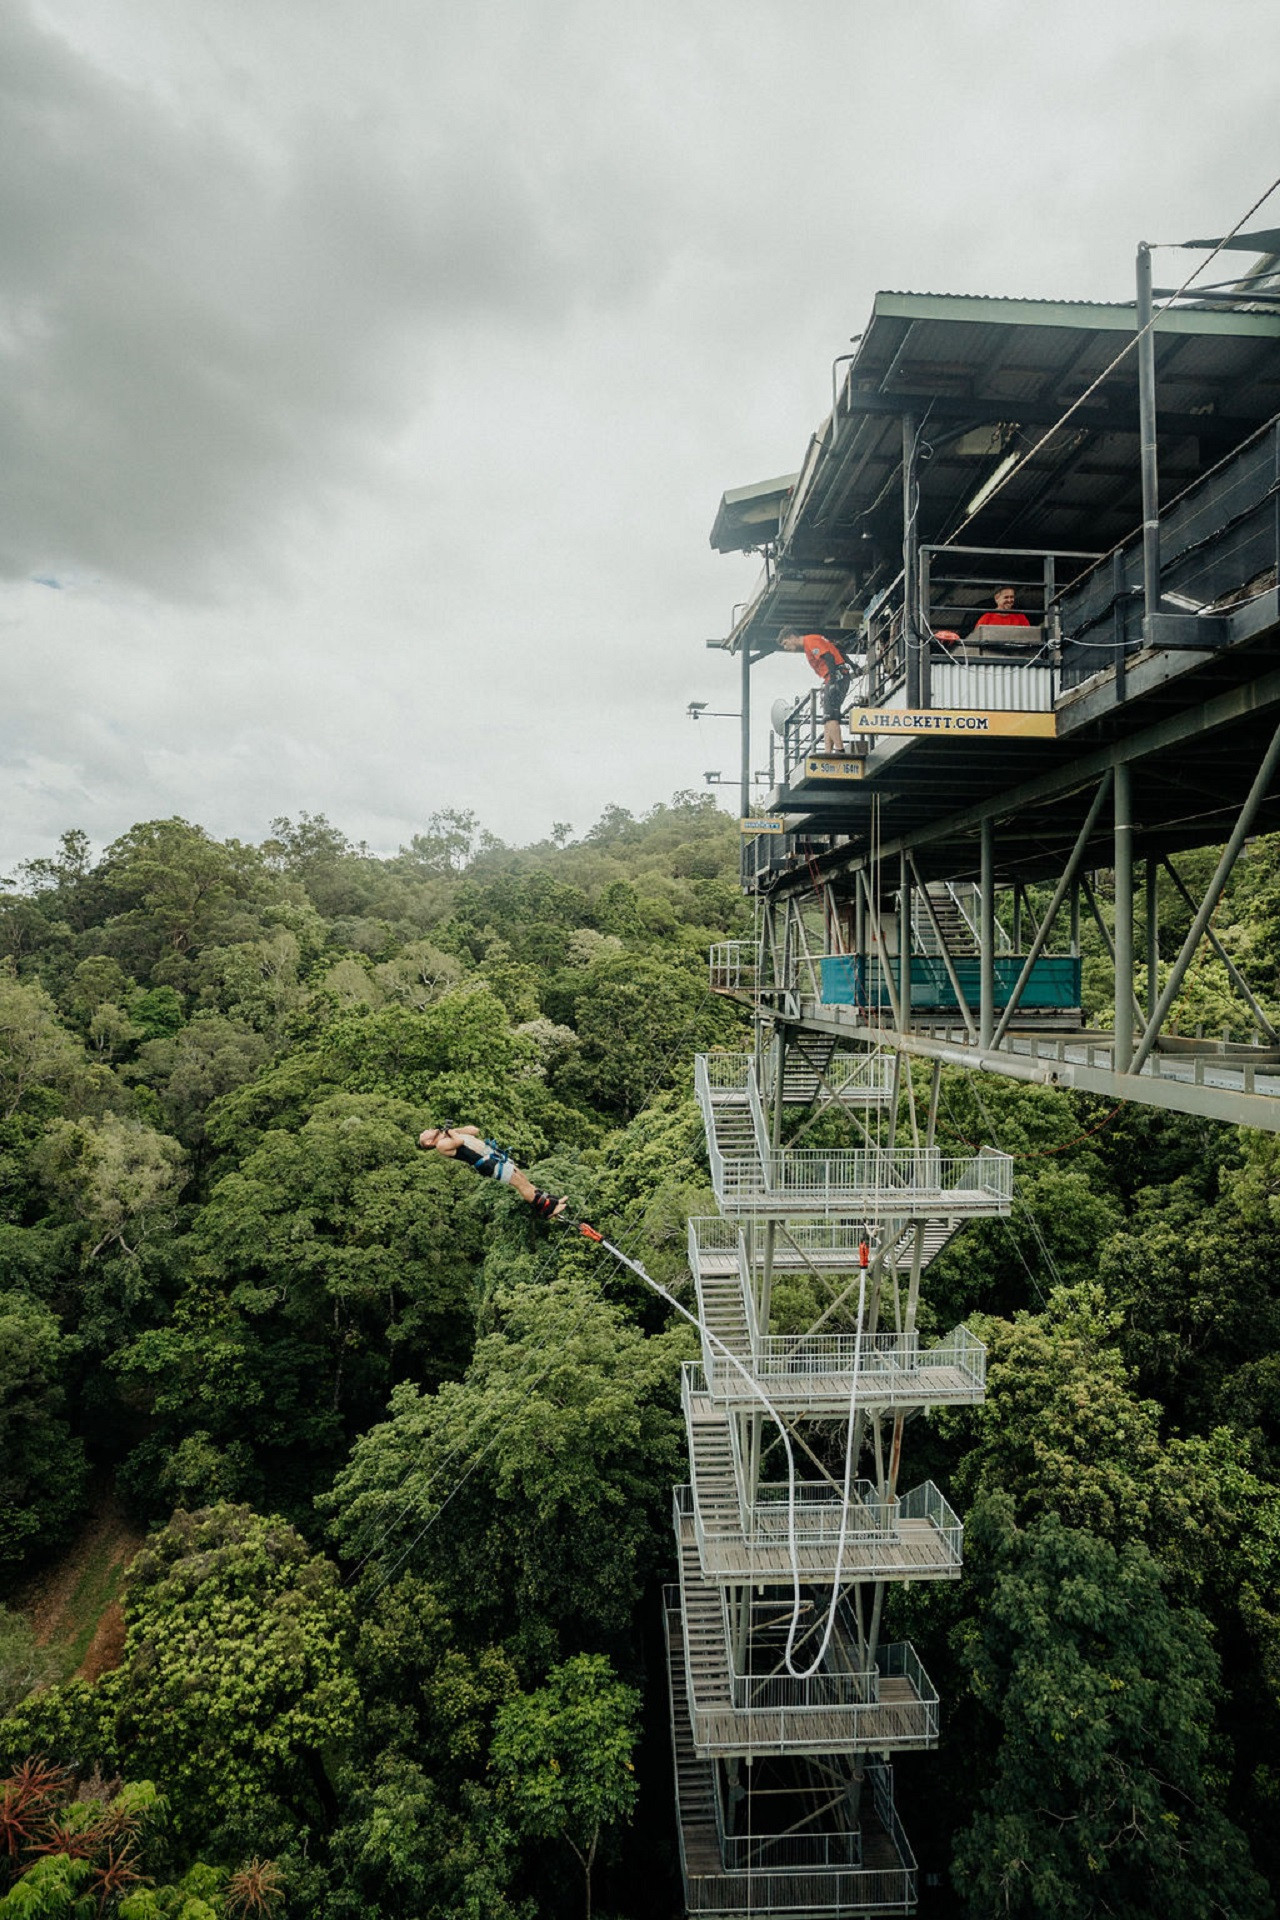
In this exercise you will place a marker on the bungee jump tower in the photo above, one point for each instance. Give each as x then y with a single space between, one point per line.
921 898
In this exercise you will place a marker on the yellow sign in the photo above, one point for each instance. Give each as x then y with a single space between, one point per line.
833 766
952 722
772 824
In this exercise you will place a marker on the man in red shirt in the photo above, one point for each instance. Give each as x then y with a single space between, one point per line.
832 669
1004 615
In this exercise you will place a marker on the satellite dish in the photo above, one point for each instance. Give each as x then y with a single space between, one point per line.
779 713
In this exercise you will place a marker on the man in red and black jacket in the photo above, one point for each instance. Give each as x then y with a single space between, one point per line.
831 667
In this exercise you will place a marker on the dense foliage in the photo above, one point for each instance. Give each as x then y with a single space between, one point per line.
407 1455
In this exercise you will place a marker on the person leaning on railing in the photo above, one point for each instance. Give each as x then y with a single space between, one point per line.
1003 614
831 667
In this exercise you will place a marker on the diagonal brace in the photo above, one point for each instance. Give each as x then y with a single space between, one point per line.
945 951
1059 895
1230 854
1237 978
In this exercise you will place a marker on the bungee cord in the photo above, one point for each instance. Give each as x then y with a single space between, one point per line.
460 1447
753 1385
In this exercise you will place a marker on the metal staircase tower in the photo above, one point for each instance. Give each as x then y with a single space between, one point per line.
996 875
783 1768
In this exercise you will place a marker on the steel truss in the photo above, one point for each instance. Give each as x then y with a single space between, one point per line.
784 1790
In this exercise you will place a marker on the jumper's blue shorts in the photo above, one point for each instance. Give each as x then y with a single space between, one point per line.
493 1163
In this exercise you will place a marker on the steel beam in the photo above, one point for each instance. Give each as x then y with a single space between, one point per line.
1147 437
1238 703
987 934
904 943
744 771
909 643
1123 863
1237 1106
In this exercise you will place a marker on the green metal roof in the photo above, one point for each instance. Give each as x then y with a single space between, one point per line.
748 516
982 376
1105 317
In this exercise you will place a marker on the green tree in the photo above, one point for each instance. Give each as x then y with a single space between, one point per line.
327 1262
536 1491
42 1466
38 1057
1061 1430
235 1681
1098 1696
640 1018
118 1177
562 1756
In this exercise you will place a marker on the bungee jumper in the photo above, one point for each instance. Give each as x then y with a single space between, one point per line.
834 671
491 1162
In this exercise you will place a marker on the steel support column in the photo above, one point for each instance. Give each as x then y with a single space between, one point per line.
910 560
904 945
986 933
1233 972
1147 437
1153 934
1123 809
744 701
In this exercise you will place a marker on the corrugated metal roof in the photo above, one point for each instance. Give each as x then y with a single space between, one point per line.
956 362
748 516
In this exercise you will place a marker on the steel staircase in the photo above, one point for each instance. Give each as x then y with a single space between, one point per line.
789 1212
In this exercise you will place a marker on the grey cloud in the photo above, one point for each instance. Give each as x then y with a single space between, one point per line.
196 327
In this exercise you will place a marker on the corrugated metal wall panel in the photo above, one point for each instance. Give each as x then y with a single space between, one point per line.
992 685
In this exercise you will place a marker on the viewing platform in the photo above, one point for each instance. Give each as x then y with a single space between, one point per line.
858 1183
846 1706
818 1870
916 1536
813 1374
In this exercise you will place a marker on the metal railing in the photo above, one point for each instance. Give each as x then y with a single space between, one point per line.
782 1852
828 1885
730 1530
865 1182
801 1887
745 966
1219 542
892 1706
893 1370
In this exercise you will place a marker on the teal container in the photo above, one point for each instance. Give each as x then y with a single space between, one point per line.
853 980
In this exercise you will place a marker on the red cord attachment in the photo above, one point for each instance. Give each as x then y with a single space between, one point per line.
864 1253
589 1233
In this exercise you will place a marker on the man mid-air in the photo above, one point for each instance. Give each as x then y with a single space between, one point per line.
491 1162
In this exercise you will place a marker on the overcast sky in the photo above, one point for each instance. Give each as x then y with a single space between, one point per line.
370 370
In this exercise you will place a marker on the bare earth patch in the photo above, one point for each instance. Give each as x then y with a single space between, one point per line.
74 1607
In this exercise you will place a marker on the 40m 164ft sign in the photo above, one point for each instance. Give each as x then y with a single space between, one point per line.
951 721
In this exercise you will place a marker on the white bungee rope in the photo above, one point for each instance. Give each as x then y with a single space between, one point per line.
636 1267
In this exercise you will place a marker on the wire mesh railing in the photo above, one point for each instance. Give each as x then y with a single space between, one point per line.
745 966
866 1183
